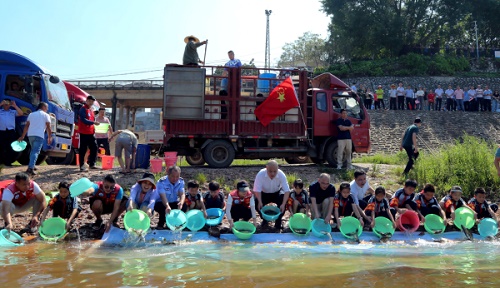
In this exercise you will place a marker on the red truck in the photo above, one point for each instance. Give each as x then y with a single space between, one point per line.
210 118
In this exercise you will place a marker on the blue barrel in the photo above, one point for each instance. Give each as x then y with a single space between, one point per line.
142 156
263 85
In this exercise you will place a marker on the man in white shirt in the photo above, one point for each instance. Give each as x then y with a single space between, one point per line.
271 186
400 92
360 187
38 122
449 98
479 98
472 98
487 98
439 97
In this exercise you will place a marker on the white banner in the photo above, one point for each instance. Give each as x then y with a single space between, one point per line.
497 54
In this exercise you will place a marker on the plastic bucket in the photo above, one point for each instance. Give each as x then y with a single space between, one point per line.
13 239
176 220
136 220
107 162
18 146
300 224
156 165
142 156
53 229
465 217
195 220
270 212
264 85
243 230
102 128
408 221
434 224
79 186
383 227
349 226
488 227
170 159
214 216
320 228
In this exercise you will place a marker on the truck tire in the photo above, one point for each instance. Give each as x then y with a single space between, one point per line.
195 159
219 154
24 159
331 154
68 160
298 160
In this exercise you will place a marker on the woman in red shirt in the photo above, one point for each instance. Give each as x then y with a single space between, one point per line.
431 97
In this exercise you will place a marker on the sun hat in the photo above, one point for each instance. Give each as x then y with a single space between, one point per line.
186 39
148 176
242 186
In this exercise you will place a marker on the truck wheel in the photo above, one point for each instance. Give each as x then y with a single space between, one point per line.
298 160
195 159
68 160
331 154
219 154
24 159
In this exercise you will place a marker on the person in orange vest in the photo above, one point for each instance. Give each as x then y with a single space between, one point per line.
241 204
86 122
19 196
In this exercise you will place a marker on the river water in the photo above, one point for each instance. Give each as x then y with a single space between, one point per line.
209 264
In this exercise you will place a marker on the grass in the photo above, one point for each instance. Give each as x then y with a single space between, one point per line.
237 162
399 158
201 178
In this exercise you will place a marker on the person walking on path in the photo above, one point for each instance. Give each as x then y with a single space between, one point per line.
8 130
344 142
38 122
86 122
102 139
409 144
191 57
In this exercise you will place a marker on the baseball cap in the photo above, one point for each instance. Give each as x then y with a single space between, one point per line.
456 189
91 97
242 186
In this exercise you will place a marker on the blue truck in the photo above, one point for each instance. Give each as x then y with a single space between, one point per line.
27 83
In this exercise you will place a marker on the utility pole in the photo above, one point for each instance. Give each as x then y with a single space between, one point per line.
477 42
268 45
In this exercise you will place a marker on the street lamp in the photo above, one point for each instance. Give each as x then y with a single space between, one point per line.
268 49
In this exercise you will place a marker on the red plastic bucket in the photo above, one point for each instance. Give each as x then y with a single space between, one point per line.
156 165
170 159
408 221
107 162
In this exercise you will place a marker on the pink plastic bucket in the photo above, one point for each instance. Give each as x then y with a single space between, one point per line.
156 165
170 159
408 221
107 162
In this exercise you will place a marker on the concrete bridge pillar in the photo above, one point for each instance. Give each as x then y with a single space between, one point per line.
126 120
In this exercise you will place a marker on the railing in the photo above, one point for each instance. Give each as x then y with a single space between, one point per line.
119 84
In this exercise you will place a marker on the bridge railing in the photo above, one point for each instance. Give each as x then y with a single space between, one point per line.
119 84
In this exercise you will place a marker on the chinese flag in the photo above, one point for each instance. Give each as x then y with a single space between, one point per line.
280 100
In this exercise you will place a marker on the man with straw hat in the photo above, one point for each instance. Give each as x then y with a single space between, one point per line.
190 54
143 194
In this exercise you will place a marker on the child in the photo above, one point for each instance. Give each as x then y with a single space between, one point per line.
343 204
241 204
193 198
63 205
425 203
378 206
453 201
143 194
299 200
214 198
431 98
400 201
482 208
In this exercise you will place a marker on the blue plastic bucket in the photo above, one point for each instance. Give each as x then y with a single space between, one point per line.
488 227
320 228
18 146
142 156
12 239
264 85
195 220
79 186
214 216
270 212
176 220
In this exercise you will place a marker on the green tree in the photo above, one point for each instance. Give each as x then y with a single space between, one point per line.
308 50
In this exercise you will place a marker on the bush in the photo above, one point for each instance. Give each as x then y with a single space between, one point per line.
467 163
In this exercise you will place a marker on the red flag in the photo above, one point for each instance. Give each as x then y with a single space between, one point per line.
280 100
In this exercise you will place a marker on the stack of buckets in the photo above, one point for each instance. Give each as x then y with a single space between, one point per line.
170 159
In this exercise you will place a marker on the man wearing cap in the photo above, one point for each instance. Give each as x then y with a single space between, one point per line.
102 139
241 204
86 122
8 130
380 96
271 186
143 194
190 54
38 122
409 143
170 195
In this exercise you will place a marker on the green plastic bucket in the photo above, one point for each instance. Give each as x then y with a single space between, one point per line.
79 186
102 128
348 227
195 220
53 229
383 227
270 212
434 224
300 224
12 239
136 220
465 217
176 220
18 146
320 228
488 227
243 230
214 216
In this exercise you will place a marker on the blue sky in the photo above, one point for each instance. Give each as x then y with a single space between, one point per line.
93 38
